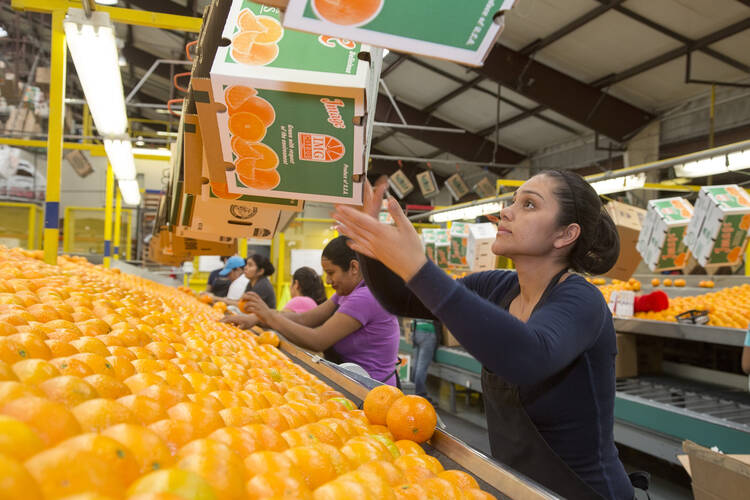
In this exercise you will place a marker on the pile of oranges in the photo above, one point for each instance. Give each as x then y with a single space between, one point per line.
115 387
727 308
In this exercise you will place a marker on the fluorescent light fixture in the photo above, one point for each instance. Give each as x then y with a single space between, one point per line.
163 133
94 51
106 2
3 32
619 184
120 155
739 160
131 193
153 152
468 212
386 52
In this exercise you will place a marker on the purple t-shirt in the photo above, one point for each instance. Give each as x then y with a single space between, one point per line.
374 347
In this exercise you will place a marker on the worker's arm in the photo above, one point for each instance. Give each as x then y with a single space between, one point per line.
317 338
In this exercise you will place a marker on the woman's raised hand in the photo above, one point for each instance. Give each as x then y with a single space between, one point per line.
398 247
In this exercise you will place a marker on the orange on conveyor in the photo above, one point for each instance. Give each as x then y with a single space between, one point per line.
115 386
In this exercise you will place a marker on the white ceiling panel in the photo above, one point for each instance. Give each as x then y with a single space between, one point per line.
418 86
404 145
609 44
736 47
529 20
690 18
508 94
581 129
452 68
474 110
532 134
665 86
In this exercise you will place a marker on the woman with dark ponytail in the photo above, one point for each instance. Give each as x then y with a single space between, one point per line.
307 291
543 334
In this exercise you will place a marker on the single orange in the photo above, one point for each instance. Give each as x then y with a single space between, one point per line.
408 447
68 390
165 395
96 362
217 464
71 366
21 346
121 366
410 491
267 437
238 416
460 478
441 489
411 417
145 409
52 421
107 386
11 389
417 474
59 348
148 449
99 413
276 485
34 371
15 480
240 440
174 433
429 462
17 439
183 484
206 400
118 458
90 344
203 420
378 401
313 466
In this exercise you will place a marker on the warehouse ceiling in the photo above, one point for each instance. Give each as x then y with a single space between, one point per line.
560 71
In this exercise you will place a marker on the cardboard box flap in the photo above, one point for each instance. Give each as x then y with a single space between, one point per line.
715 475
626 215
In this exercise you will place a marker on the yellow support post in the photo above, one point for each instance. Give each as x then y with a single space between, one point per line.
87 128
118 220
242 247
129 237
108 215
280 271
58 58
31 239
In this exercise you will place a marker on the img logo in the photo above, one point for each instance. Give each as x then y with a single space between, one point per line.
320 147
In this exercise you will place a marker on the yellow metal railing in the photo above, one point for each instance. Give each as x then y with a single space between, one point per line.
21 225
84 230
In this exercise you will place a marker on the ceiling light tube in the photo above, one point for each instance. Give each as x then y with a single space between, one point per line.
467 213
94 51
131 193
120 155
620 184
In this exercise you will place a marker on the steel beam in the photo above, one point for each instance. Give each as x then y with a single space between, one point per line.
453 94
573 25
512 120
683 39
464 146
673 54
395 64
504 100
581 102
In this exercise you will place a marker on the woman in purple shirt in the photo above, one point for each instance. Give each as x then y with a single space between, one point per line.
351 326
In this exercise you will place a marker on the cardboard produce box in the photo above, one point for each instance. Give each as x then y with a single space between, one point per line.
716 476
484 188
626 361
717 233
427 183
448 339
294 119
400 184
435 28
442 248
457 186
661 241
479 256
428 240
629 221
459 235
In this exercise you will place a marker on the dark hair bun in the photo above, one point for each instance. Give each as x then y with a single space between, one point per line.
263 263
598 247
601 252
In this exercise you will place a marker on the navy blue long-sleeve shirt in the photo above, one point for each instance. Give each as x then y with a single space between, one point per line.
576 415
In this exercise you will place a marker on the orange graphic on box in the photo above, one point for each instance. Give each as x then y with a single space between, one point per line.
249 117
347 12
320 147
256 42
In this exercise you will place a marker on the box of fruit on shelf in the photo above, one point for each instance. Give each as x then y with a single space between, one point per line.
717 233
661 240
289 108
438 28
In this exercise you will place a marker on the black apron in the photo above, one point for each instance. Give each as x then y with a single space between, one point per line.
514 439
